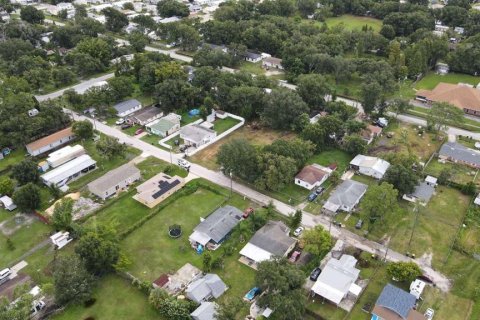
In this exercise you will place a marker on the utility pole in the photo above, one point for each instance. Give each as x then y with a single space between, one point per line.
414 224
231 183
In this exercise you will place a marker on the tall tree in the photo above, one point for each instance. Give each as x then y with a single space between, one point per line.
72 283
442 114
115 20
62 214
404 271
31 15
26 171
228 309
402 178
239 157
170 307
313 88
277 171
27 197
7 186
282 284
282 110
170 8
83 129
297 149
20 310
99 249
354 144
378 201
317 241
109 147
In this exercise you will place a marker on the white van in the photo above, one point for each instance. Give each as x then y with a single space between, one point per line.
184 164
4 275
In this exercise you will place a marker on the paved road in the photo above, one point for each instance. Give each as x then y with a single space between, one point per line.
308 221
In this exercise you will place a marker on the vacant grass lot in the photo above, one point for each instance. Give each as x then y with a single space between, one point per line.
152 166
354 22
116 299
151 138
253 68
460 174
431 80
222 125
23 239
13 158
208 156
337 156
407 139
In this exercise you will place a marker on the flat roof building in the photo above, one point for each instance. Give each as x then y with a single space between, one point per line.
64 155
50 142
69 171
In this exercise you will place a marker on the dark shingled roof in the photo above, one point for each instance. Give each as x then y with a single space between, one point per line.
457 151
218 224
397 300
273 238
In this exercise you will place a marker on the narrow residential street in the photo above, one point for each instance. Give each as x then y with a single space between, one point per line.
309 220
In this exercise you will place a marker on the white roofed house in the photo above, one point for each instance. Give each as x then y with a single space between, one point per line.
196 135
64 155
272 62
345 197
127 107
208 287
114 181
272 240
337 280
7 203
370 166
69 171
312 176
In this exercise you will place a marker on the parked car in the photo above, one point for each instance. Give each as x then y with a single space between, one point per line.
294 257
312 196
429 313
4 275
320 190
247 213
184 164
37 306
120 121
183 148
315 274
298 231
126 126
359 224
138 131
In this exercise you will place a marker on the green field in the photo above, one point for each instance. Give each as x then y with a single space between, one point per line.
460 174
115 299
12 159
337 156
354 22
431 80
222 125
253 68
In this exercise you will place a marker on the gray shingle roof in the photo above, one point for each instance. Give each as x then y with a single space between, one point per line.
206 311
147 113
196 132
209 286
113 178
347 193
396 300
273 238
126 105
218 224
457 151
423 191
253 55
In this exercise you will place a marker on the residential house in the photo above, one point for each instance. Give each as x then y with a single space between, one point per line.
157 189
337 280
458 153
312 176
7 203
50 142
459 30
396 304
165 126
207 287
345 197
196 135
459 95
271 62
370 133
272 240
114 181
206 311
442 68
423 192
170 20
69 171
64 155
370 166
147 115
214 229
127 107
253 57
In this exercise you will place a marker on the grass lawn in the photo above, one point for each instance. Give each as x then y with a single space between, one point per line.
468 124
152 166
369 181
13 158
186 118
431 80
351 22
446 305
151 138
460 174
222 125
208 156
406 139
23 239
103 165
253 68
467 142
337 156
116 299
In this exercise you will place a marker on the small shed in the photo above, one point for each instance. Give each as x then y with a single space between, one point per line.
7 203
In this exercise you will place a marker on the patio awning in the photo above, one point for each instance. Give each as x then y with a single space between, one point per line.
355 289
255 253
330 206
199 237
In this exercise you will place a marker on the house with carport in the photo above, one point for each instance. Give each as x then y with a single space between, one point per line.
114 181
